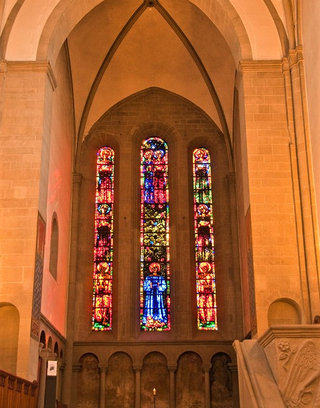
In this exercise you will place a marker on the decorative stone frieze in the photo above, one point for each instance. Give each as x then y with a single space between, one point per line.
293 353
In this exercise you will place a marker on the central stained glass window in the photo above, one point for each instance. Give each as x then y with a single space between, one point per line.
154 237
103 241
204 241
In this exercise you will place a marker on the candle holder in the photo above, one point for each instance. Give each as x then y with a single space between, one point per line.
154 392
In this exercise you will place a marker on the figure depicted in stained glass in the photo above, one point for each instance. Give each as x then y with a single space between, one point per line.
154 286
204 240
205 289
202 170
103 294
155 273
103 244
159 177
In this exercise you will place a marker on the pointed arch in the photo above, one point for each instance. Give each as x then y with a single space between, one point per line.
204 240
103 241
154 239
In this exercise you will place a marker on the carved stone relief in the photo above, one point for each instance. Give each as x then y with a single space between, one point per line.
301 367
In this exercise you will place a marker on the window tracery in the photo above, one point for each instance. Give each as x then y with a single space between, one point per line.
204 240
103 241
154 237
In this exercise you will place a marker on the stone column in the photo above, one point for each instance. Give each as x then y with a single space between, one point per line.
25 99
273 199
207 384
45 354
103 371
137 371
172 385
234 266
61 367
67 383
305 200
235 387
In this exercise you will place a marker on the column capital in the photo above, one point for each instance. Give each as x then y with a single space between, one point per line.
30 66
260 66
137 367
76 368
295 56
207 367
103 368
47 354
233 367
172 367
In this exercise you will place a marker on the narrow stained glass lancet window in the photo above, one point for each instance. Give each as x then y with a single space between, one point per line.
103 241
204 241
154 237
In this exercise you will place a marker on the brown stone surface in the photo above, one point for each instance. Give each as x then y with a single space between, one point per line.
120 382
190 382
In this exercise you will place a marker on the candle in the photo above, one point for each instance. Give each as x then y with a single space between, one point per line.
154 391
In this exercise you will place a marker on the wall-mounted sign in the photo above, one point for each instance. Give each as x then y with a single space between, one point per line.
52 368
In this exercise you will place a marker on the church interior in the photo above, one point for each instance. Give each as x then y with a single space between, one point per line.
159 203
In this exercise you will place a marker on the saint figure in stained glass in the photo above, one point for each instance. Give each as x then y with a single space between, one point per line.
103 242
154 286
204 241
155 272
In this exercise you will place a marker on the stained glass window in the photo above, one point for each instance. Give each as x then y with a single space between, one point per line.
204 241
154 237
103 241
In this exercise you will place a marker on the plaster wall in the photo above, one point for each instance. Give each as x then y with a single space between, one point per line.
311 41
54 291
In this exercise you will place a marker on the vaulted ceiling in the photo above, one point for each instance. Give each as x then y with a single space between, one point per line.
118 48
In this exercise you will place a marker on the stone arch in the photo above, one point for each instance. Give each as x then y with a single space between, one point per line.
43 338
220 381
9 334
283 37
88 356
50 343
157 112
56 349
120 385
190 381
284 311
64 17
155 374
148 127
186 43
87 389
241 33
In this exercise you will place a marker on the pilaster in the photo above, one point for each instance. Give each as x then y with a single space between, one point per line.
137 371
172 385
276 258
103 371
67 383
297 112
25 105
